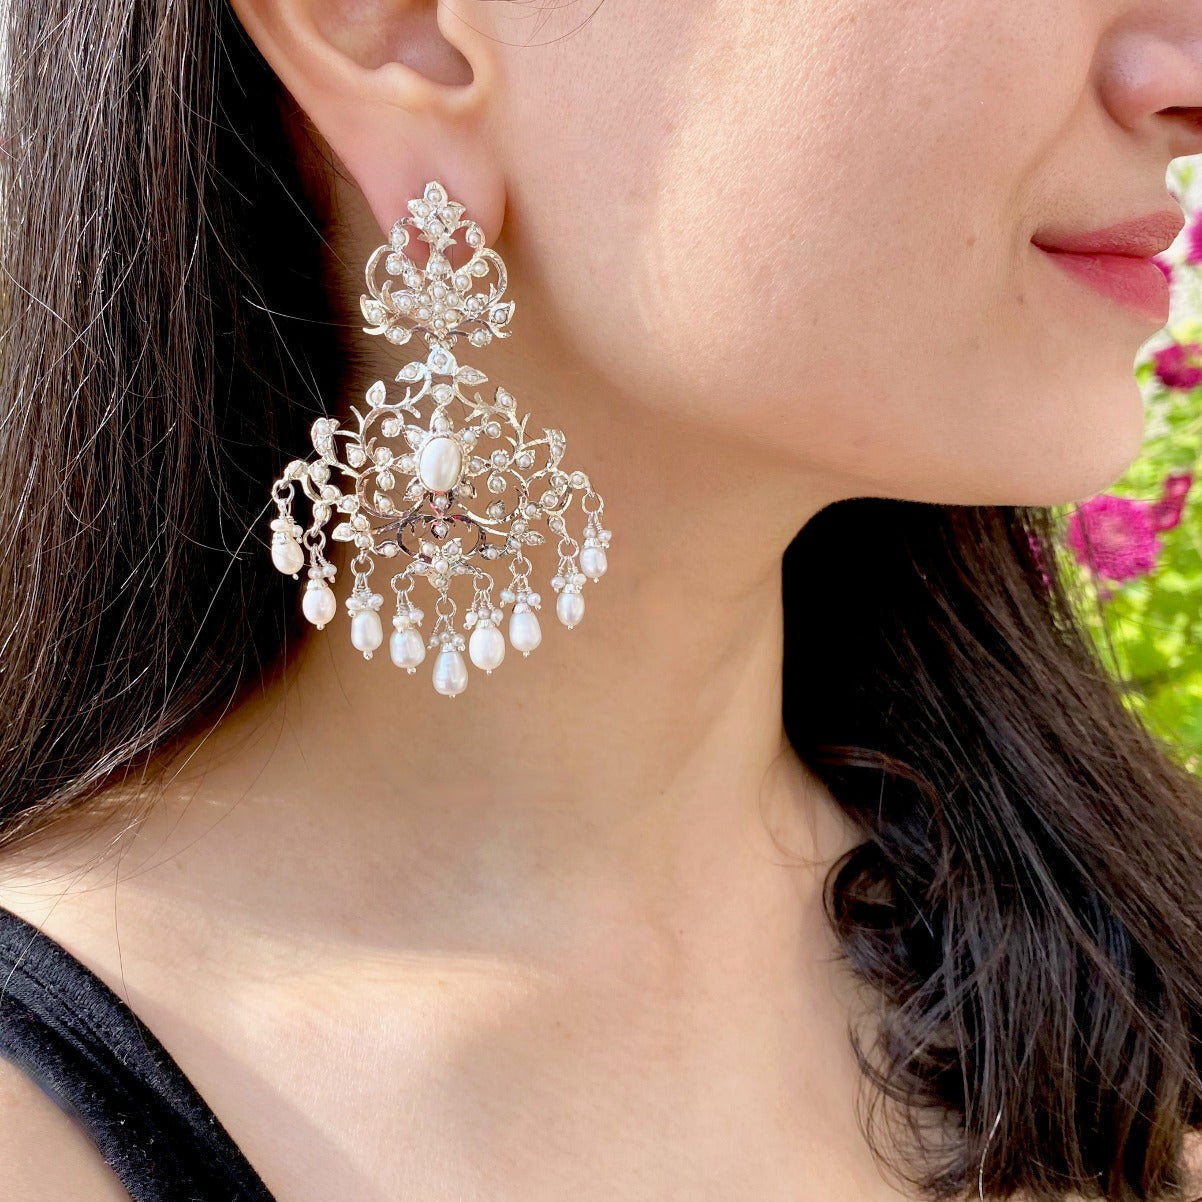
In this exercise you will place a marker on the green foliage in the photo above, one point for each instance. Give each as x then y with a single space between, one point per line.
1150 629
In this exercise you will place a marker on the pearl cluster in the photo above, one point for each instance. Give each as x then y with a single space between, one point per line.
434 467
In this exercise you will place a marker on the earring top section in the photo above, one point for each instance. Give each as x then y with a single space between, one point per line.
440 302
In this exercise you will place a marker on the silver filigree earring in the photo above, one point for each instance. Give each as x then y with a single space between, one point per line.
409 487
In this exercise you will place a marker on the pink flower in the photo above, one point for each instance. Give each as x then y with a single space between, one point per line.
1114 537
1167 511
1193 240
1118 537
1179 365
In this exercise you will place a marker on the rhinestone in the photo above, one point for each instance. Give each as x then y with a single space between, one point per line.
439 528
390 427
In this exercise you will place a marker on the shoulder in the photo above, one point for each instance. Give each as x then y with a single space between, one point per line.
45 1155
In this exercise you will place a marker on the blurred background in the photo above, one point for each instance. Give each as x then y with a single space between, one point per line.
1133 554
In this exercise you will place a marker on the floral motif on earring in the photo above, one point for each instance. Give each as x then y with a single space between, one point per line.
402 486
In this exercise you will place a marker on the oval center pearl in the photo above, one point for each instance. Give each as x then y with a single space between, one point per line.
440 463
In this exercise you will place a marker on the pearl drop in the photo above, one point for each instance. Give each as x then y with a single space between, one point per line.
486 647
366 632
319 605
287 555
407 648
450 673
524 632
569 607
593 562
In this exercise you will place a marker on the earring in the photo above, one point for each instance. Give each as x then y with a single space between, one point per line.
408 486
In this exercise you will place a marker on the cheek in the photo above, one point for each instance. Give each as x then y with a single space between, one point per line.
825 210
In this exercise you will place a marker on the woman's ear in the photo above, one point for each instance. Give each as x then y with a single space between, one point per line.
397 88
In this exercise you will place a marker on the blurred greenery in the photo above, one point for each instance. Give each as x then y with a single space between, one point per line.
1150 629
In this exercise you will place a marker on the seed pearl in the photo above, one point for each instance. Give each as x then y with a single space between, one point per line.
569 608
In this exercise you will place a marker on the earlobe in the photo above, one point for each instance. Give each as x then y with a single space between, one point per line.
396 88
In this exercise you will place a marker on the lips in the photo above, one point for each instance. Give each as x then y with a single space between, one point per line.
1117 261
1135 283
1140 237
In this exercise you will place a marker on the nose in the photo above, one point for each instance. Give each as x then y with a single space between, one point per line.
1151 75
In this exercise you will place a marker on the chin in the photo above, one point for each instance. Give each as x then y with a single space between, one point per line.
1092 450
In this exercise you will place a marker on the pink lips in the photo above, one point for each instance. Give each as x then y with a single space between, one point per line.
1117 261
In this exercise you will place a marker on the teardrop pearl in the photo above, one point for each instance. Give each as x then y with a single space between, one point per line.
319 605
287 555
524 632
593 562
407 648
450 673
366 632
569 607
486 647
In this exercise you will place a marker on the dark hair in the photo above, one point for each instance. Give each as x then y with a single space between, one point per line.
1027 899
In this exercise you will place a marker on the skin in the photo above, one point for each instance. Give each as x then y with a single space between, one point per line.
562 936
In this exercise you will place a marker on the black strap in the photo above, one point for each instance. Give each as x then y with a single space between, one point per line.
88 1051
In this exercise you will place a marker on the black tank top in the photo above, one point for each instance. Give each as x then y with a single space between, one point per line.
100 1063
